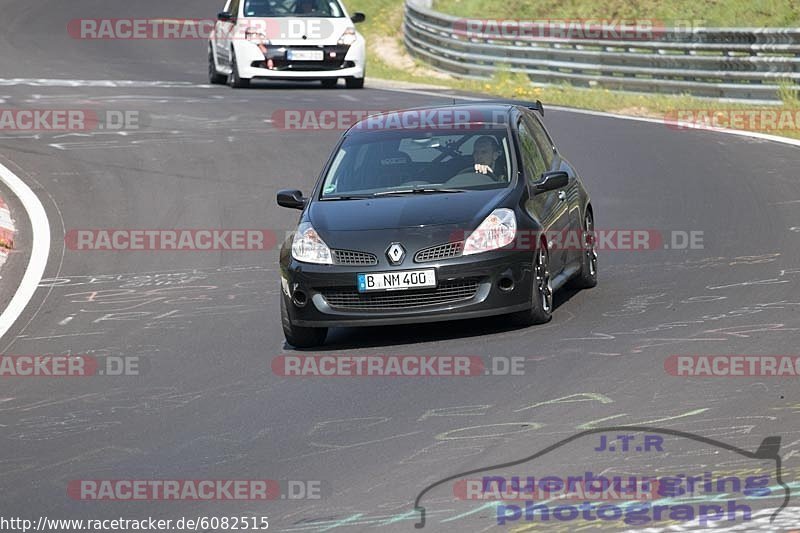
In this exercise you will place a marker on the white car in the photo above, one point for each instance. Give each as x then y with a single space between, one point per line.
286 40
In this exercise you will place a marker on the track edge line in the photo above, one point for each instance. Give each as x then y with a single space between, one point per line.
40 249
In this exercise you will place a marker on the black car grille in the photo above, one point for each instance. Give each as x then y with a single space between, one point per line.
446 292
436 253
350 257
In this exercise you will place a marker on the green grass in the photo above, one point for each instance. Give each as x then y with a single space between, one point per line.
384 21
384 17
723 13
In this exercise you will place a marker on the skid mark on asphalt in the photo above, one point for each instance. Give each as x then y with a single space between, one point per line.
50 337
696 330
104 411
164 299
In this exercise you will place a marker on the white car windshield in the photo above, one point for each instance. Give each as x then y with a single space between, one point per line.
292 8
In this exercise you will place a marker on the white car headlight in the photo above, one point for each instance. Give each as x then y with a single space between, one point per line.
348 37
308 246
497 230
255 37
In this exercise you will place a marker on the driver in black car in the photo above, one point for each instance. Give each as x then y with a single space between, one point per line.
484 154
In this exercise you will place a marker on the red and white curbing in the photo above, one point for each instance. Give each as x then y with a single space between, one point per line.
7 231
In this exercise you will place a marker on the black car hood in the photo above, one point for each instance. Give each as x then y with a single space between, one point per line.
466 209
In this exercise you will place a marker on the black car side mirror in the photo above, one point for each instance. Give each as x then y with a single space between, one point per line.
551 181
358 17
291 198
224 16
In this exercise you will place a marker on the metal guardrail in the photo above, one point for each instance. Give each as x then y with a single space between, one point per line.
734 63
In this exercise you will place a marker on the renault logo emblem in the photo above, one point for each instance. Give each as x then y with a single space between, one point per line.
395 253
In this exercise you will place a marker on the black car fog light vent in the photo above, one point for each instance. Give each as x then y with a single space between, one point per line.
350 257
437 253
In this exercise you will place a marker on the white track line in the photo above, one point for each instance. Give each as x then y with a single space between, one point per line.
127 84
48 82
40 249
741 133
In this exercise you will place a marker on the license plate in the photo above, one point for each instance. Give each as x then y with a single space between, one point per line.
304 55
397 281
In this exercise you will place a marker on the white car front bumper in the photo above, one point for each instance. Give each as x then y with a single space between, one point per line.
252 62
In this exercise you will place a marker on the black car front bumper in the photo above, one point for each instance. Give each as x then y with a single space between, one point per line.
486 284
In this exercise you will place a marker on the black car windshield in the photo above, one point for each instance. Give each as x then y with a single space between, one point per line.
388 163
292 8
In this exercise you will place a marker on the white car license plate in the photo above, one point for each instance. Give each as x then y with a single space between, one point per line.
304 55
393 281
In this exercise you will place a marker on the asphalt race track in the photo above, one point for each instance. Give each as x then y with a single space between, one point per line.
206 328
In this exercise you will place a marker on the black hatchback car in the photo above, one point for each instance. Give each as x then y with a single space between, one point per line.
431 214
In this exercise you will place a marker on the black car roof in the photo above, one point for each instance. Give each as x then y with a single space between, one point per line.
480 107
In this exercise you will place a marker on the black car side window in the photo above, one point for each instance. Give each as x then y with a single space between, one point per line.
542 139
532 158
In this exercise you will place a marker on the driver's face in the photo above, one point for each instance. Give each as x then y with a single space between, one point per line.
484 153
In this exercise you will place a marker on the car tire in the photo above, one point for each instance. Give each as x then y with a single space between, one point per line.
354 83
586 278
329 83
297 336
234 80
541 308
214 77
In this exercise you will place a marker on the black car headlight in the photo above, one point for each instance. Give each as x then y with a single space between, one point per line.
308 246
497 230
